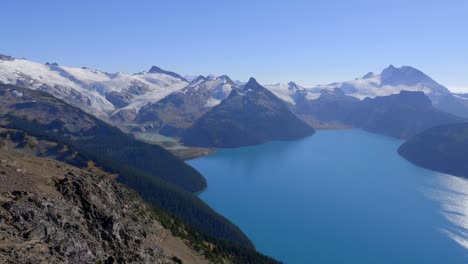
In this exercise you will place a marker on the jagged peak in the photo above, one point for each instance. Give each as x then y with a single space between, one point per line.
200 78
227 79
252 84
292 86
156 69
252 81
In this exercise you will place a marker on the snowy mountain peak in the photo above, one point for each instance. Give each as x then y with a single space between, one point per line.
404 75
197 80
392 80
226 80
155 69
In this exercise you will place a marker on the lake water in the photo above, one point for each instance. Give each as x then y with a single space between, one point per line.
342 196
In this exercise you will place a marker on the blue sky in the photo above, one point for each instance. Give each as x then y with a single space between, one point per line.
309 42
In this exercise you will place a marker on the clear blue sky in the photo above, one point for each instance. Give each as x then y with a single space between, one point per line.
309 42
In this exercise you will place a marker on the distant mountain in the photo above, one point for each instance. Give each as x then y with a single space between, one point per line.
249 115
99 93
391 80
165 102
179 110
399 115
443 148
331 107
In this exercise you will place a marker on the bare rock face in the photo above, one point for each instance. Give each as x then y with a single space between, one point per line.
54 213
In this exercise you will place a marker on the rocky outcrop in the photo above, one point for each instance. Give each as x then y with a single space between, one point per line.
54 213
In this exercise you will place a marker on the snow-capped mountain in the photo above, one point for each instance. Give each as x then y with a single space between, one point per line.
120 96
285 92
178 110
390 81
251 114
94 91
218 88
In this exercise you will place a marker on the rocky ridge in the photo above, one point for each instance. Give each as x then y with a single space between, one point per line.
54 213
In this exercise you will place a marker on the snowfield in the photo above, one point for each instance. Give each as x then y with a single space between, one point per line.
87 88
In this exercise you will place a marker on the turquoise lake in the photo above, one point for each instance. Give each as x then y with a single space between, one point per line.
342 196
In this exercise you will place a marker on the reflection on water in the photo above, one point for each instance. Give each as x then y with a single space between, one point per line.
452 194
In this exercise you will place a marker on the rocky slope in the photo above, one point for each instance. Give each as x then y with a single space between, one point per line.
249 115
55 213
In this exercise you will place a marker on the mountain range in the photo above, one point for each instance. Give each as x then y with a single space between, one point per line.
390 81
192 109
100 93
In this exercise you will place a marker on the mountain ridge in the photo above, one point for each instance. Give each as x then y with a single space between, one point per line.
249 115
